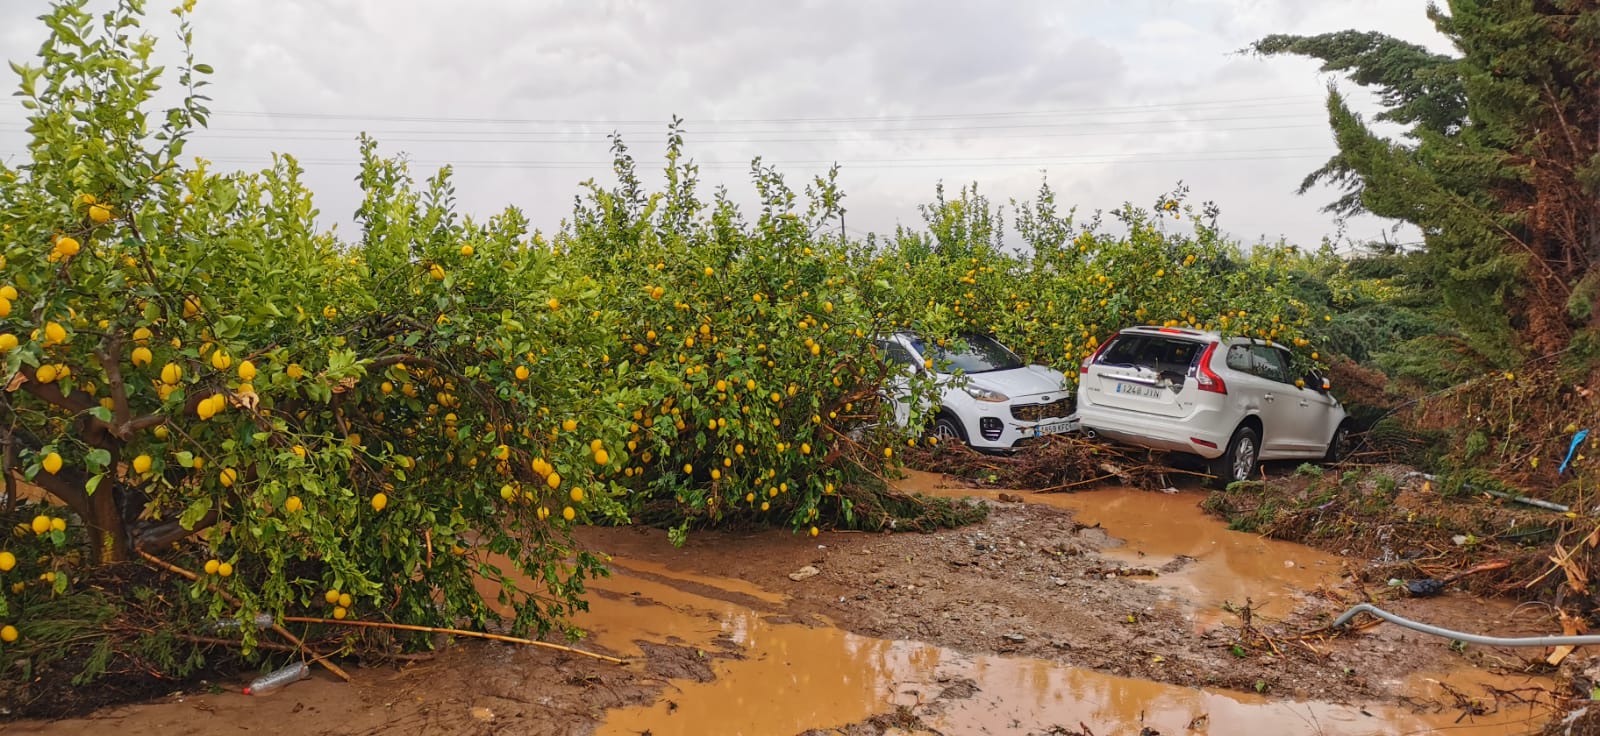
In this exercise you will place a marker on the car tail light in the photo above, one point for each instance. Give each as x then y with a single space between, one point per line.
1084 368
1204 377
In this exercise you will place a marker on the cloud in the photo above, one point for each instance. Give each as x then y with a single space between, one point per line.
1117 100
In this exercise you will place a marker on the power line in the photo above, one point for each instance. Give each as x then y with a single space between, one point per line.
848 165
1267 101
694 139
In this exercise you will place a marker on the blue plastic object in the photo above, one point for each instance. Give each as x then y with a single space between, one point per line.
1577 440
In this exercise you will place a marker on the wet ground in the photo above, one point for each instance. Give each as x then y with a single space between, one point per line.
1105 612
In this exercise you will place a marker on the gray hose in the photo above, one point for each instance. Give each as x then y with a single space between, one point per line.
1492 641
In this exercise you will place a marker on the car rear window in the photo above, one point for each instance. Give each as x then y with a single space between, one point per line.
1159 353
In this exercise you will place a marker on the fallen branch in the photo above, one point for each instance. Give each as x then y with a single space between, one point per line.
452 632
317 657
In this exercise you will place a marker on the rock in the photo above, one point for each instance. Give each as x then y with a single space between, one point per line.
1015 638
803 573
1010 498
482 714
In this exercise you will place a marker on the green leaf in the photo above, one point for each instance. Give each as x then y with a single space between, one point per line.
101 413
93 483
228 327
97 459
197 510
185 458
202 68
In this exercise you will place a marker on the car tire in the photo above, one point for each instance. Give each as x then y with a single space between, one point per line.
1339 445
1239 461
948 430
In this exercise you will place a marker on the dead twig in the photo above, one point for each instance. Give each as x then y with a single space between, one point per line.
319 658
451 632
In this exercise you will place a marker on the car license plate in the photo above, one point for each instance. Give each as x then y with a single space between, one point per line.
1138 390
1040 430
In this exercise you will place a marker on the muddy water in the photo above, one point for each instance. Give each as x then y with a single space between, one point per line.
787 678
1208 565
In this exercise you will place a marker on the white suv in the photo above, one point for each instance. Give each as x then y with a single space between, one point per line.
988 398
1232 401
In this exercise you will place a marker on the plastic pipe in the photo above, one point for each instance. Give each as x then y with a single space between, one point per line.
1491 641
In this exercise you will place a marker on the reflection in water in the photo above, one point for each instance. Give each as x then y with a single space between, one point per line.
786 678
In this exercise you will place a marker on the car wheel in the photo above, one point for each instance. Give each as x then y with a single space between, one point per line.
948 430
1340 445
1240 459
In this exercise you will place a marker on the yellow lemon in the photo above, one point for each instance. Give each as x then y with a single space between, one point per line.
141 464
522 373
99 213
7 561
68 247
227 477
221 360
171 373
45 374
345 600
212 566
54 334
8 633
466 250
379 501
295 371
553 480
332 596
436 272
141 356
339 612
292 504
8 342
51 463
141 335
568 514
601 457
225 569
247 371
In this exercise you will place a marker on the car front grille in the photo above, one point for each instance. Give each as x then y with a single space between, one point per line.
1034 412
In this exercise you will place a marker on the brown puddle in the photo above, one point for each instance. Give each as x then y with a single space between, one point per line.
787 678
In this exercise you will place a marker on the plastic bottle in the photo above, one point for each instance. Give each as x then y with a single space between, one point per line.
278 679
261 621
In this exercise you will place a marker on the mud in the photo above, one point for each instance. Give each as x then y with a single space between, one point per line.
1030 623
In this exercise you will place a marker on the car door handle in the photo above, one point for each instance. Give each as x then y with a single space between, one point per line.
1268 397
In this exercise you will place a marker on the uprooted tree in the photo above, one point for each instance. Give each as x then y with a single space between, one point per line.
1499 165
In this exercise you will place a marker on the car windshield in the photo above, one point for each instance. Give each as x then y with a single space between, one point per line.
982 355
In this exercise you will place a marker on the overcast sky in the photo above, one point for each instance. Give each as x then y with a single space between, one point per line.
1116 100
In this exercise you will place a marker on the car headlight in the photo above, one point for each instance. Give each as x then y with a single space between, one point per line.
983 394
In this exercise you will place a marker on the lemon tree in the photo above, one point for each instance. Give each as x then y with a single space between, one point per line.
190 359
756 389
